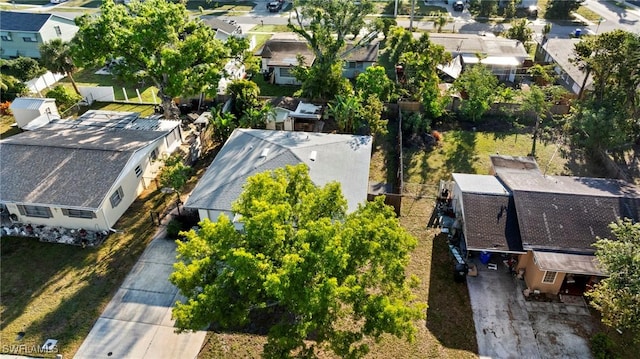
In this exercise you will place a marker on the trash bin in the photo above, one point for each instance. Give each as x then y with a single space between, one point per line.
485 257
460 272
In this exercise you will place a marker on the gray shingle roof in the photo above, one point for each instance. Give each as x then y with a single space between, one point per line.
71 167
367 53
342 158
492 222
22 21
284 52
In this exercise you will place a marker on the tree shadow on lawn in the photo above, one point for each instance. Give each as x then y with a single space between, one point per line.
101 270
461 154
449 315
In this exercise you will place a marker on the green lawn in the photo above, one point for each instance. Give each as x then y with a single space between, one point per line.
87 77
588 14
6 126
267 89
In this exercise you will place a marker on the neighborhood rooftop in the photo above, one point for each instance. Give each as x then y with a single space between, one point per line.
330 157
70 167
23 21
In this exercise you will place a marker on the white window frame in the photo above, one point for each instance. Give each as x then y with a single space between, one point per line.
35 211
549 273
29 39
116 197
58 30
78 213
285 72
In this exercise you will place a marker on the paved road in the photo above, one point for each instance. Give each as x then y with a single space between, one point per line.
614 17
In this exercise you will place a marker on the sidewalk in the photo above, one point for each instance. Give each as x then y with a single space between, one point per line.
137 321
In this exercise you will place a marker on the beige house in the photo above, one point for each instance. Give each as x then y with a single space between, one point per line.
547 224
82 173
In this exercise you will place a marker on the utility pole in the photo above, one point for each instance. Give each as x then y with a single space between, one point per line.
395 11
413 7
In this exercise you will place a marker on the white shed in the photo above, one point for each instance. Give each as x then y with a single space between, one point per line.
27 109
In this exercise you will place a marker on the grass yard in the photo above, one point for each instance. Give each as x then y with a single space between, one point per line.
58 291
588 14
468 152
6 126
270 28
87 77
267 89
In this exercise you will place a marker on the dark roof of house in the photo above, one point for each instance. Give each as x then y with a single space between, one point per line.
71 167
563 212
216 24
367 53
330 157
286 102
284 52
22 21
491 223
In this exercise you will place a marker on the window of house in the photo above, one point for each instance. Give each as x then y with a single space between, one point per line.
154 155
285 72
78 213
549 277
58 31
116 197
35 211
280 126
351 65
138 171
29 39
6 37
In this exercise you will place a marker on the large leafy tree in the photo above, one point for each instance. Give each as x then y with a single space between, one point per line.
22 68
56 56
374 81
325 25
560 9
478 86
157 43
420 59
618 296
612 108
521 30
329 280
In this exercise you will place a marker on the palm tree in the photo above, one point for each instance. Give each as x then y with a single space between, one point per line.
439 22
55 55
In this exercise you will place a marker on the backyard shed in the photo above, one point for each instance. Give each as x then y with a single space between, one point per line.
27 109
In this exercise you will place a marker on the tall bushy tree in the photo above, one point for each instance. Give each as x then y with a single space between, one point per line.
329 280
157 43
618 296
325 25
374 81
561 9
478 86
22 68
520 30
56 56
612 59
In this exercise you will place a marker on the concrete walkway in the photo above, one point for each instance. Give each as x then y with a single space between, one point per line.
508 326
137 322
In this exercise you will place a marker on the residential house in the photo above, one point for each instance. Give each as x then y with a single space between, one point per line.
548 223
22 33
505 57
279 56
559 52
83 173
224 29
32 112
291 114
329 157
357 59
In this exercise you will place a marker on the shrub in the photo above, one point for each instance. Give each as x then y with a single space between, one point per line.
65 98
4 108
602 347
173 228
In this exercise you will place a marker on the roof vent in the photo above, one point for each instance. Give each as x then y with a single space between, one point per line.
264 153
313 155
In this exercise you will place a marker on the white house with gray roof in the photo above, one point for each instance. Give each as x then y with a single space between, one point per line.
83 173
22 33
329 157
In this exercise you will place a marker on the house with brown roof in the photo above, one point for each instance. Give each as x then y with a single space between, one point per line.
547 223
279 56
357 59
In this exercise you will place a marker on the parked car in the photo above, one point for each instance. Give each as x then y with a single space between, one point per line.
458 6
274 6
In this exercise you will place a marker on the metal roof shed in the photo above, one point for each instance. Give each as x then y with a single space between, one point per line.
27 109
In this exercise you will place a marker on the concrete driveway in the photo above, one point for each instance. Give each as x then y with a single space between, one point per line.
137 322
508 326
